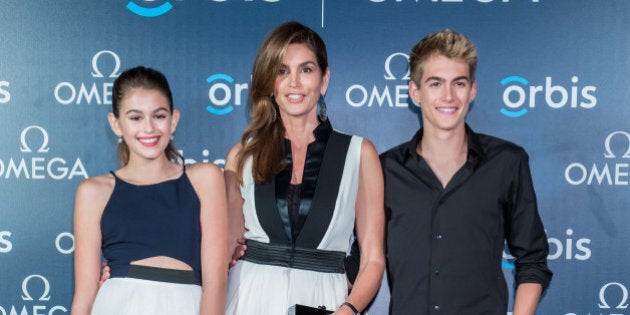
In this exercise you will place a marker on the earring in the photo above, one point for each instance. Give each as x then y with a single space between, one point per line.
120 140
322 110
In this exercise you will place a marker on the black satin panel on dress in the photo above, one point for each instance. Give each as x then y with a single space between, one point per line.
325 160
312 165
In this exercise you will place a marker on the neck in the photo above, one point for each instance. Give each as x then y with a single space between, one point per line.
150 171
300 130
441 143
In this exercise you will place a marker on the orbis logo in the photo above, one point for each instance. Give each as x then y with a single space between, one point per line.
613 171
5 242
384 95
520 95
205 157
105 64
64 242
5 96
153 8
224 94
148 8
566 248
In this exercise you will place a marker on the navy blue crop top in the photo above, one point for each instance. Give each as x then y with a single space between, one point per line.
151 220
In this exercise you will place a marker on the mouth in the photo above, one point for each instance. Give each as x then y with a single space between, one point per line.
295 97
149 141
446 110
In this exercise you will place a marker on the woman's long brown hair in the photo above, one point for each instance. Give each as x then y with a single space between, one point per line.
263 138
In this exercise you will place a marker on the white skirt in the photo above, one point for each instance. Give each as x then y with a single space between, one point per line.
127 296
256 289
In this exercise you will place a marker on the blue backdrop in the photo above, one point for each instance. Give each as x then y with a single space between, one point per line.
552 77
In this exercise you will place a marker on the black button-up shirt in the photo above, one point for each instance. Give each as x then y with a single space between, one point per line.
445 245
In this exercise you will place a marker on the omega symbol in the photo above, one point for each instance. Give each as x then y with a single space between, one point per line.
609 152
26 148
45 296
388 71
96 72
623 303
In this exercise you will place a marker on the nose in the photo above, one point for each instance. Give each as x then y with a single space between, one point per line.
448 93
294 79
148 125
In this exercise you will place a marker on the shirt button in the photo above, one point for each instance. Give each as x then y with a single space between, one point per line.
436 307
439 236
436 272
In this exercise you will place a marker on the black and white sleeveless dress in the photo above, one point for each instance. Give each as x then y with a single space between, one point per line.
278 272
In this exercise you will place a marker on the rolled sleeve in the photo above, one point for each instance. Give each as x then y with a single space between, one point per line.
525 233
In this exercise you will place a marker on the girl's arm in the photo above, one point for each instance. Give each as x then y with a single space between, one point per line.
209 183
91 197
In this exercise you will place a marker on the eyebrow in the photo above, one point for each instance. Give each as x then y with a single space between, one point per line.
442 79
302 64
133 111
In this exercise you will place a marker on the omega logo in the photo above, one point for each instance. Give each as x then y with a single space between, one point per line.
609 152
45 296
613 173
25 147
392 95
623 303
36 163
388 70
95 69
98 92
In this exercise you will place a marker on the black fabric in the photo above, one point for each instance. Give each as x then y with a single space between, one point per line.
162 274
445 244
297 258
325 161
140 221
325 197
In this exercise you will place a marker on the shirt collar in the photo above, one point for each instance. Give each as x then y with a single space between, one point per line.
322 131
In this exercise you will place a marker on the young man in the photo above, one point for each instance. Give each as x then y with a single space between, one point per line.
454 197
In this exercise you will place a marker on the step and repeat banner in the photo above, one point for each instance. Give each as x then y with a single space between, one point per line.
552 77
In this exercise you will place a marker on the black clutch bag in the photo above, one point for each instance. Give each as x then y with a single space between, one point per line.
298 309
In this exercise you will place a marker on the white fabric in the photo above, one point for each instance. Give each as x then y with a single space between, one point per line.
129 296
264 289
